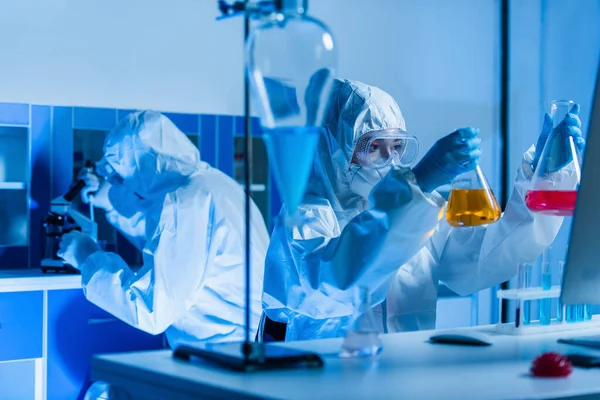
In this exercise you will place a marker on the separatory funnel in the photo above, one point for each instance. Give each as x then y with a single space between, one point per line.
291 60
556 178
472 202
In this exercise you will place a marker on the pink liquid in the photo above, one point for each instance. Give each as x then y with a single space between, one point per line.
552 202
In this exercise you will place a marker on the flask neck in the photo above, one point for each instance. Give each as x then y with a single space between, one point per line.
479 172
299 7
468 176
559 110
362 299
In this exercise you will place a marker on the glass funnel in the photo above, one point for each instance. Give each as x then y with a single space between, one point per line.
362 339
556 178
471 201
291 60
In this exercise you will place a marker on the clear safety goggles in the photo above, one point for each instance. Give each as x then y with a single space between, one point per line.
380 149
105 170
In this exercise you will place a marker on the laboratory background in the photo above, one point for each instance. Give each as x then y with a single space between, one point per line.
71 70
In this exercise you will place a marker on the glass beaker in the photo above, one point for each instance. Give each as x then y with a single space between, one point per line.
471 201
362 339
552 191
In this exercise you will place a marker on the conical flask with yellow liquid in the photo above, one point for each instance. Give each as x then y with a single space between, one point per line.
471 201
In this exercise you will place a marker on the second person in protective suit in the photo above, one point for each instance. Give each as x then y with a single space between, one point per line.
374 222
187 219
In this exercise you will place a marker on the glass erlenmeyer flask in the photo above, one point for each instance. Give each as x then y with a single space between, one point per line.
556 178
362 339
291 60
472 202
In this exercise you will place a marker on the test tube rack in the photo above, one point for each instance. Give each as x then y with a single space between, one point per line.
534 327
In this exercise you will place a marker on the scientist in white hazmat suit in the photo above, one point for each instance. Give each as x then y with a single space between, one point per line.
374 222
188 221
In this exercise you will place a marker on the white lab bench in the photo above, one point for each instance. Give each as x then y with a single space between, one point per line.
408 368
28 280
48 333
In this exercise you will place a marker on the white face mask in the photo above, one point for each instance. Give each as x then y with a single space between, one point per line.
363 180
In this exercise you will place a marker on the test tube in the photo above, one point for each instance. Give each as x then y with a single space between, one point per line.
527 303
522 283
559 304
570 311
546 304
520 280
580 310
571 314
587 314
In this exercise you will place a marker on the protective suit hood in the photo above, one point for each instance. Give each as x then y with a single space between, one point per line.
354 109
151 154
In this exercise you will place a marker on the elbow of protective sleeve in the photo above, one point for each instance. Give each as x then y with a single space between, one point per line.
109 284
153 322
155 329
157 314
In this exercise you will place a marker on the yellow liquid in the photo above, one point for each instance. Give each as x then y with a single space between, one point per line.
474 207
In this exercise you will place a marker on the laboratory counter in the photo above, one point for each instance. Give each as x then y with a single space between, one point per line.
49 332
33 279
409 368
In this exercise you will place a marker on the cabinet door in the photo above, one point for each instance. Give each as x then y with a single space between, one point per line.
17 380
21 324
77 330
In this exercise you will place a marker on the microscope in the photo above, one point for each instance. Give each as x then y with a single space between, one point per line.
62 219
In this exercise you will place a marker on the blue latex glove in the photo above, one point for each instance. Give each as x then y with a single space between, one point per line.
75 247
452 155
95 190
569 127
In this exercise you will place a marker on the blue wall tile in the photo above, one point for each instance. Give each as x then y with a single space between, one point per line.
239 126
254 126
14 114
40 177
62 150
187 123
225 144
94 118
208 138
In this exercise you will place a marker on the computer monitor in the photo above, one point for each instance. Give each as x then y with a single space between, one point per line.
581 280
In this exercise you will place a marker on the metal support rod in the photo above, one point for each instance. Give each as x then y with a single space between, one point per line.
247 348
504 119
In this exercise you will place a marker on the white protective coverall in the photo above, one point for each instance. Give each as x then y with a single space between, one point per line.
397 243
188 221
